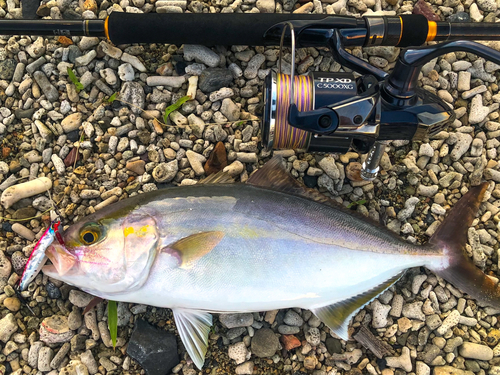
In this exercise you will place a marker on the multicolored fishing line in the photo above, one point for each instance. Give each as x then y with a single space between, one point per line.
287 136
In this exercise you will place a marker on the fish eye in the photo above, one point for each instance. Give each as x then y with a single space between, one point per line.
89 236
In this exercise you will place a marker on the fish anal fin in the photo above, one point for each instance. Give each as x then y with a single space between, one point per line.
338 315
195 246
193 327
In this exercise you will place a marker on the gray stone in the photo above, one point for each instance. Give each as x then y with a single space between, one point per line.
33 353
44 358
80 299
7 68
5 265
59 357
196 161
89 361
165 172
154 349
50 91
75 319
8 326
478 111
37 48
265 343
212 79
253 66
461 147
126 72
132 92
476 351
408 209
236 320
288 330
201 54
230 110
313 336
330 168
266 6
124 314
293 319
72 122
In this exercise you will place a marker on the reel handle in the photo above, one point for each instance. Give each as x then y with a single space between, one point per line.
402 83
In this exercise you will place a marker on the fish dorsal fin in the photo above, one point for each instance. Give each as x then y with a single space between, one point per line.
338 315
193 247
193 327
220 177
274 176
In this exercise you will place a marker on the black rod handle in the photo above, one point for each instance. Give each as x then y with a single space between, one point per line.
206 29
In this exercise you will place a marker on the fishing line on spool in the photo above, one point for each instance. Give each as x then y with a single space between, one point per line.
287 136
291 89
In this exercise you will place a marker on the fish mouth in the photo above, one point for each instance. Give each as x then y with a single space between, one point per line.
62 260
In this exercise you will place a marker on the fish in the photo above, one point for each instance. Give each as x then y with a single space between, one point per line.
268 244
37 258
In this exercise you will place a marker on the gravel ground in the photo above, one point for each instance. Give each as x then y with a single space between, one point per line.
94 153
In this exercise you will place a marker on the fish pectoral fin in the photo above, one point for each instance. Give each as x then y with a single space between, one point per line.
195 246
338 315
194 327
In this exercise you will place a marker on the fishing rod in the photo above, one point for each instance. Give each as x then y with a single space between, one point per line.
255 29
319 111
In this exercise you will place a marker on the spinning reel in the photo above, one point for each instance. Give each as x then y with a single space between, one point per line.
334 112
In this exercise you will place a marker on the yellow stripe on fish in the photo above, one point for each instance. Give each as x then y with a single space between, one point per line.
142 232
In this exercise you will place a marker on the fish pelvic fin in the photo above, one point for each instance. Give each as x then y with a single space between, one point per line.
193 327
338 315
451 237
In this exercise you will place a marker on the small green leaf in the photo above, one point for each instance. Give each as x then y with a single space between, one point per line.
174 107
82 137
112 98
113 321
356 203
239 123
76 82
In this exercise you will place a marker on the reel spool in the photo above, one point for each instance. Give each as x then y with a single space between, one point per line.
311 91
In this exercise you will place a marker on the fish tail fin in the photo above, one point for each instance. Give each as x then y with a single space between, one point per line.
451 237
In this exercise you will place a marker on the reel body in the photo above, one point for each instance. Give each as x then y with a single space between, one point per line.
427 115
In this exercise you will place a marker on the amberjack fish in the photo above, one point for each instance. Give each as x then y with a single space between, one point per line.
268 244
